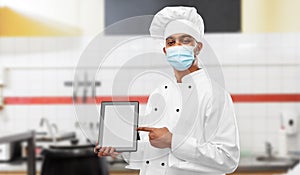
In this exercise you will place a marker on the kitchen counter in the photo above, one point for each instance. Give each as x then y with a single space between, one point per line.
29 136
17 166
20 165
246 165
6 137
250 164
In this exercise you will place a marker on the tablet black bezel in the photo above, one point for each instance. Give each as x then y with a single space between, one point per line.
136 116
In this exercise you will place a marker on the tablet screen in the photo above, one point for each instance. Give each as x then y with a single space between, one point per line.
118 125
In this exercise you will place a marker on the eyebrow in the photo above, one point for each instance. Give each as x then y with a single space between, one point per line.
169 38
185 35
182 36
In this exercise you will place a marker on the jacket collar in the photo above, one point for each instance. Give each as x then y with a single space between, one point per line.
193 75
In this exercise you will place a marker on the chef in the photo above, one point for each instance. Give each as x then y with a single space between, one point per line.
190 126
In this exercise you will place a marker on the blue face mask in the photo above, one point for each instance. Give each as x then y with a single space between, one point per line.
180 57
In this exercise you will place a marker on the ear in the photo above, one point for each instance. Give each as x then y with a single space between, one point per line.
198 48
164 50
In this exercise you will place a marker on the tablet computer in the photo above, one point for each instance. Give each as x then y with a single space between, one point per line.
118 123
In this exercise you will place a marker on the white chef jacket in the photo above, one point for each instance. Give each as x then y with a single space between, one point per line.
200 116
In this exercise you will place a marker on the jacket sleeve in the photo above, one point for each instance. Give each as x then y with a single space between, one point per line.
218 151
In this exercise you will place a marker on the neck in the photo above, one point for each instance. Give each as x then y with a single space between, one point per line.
180 74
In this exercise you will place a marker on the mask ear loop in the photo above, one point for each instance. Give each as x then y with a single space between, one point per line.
200 64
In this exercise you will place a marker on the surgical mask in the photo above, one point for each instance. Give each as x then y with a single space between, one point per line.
180 57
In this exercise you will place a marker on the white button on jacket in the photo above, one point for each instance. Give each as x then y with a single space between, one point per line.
201 117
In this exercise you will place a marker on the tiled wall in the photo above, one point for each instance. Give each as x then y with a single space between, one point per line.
251 63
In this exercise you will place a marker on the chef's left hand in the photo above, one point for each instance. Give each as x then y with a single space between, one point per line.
158 137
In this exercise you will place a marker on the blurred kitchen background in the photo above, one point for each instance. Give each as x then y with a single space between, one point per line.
257 43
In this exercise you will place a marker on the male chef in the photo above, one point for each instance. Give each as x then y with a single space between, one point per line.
190 126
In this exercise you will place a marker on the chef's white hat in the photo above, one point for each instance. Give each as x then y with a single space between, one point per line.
172 20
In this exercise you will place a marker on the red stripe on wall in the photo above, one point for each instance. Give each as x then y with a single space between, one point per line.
68 100
256 98
237 98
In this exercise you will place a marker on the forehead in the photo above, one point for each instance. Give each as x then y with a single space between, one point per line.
178 35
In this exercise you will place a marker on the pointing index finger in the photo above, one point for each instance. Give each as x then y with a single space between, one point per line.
147 129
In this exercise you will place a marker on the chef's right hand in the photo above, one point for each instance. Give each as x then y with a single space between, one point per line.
105 151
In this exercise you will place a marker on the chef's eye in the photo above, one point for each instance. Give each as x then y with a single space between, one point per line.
186 41
170 43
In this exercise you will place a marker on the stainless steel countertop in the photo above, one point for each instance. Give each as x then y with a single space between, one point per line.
250 164
7 137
